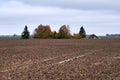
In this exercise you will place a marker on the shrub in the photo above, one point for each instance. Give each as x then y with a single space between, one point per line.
77 36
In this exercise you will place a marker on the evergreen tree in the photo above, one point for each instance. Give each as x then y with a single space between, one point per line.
25 33
82 32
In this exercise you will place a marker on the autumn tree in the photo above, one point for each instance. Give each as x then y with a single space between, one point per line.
64 32
25 33
43 31
82 32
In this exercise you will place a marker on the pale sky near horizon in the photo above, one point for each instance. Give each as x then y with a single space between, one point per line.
98 17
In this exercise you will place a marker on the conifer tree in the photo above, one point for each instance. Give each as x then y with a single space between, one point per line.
82 32
25 33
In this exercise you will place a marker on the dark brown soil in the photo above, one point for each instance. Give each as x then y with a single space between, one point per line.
53 59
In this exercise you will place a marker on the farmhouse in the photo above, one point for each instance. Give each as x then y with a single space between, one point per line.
93 36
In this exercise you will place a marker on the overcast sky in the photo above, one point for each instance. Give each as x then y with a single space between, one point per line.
97 16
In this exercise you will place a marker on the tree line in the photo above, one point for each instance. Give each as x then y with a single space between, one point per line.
45 32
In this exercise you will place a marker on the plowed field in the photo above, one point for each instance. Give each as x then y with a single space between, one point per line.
64 59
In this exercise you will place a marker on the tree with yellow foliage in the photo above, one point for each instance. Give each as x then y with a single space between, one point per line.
43 31
64 32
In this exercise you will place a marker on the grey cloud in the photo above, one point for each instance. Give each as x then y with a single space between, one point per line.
89 13
77 4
